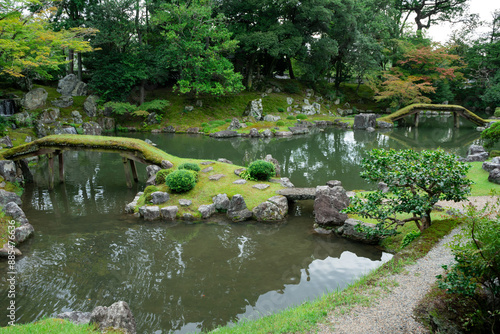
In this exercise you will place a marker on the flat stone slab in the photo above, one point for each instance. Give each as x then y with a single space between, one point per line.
207 163
208 169
185 202
261 186
240 181
297 194
216 177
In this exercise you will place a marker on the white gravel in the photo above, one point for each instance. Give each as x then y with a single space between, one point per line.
392 312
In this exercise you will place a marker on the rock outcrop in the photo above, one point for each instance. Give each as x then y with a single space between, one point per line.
328 203
35 99
117 316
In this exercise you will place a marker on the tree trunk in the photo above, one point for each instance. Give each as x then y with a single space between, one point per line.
79 66
71 56
426 221
290 68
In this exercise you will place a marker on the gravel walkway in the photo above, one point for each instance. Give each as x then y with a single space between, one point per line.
392 312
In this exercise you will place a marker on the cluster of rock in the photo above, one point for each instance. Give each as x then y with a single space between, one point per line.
50 121
118 317
476 153
493 167
329 201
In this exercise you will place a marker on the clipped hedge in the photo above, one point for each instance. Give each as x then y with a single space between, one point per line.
261 170
189 166
181 180
162 175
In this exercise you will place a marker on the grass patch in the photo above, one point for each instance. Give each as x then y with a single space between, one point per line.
54 326
481 186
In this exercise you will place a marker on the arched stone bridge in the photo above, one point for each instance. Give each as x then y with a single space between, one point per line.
129 149
415 109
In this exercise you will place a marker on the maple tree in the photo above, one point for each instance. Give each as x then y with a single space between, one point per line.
28 45
419 73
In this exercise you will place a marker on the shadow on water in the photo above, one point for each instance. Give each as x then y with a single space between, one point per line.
181 277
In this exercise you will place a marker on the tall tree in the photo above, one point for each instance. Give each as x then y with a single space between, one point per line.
196 46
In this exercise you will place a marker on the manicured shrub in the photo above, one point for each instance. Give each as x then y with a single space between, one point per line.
497 112
281 110
181 180
148 191
280 123
190 166
261 170
301 116
290 117
162 175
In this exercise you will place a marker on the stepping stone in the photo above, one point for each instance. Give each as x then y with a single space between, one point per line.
225 161
240 181
207 163
216 177
208 169
185 202
261 186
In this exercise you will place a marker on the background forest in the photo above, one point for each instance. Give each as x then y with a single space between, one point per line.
221 47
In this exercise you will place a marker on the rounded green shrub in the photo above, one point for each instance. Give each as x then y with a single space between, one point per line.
190 166
290 117
261 170
148 191
497 112
162 175
280 123
181 180
301 116
281 110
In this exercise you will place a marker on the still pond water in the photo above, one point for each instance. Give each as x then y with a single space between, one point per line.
181 277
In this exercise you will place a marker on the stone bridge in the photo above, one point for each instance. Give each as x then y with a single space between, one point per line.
130 149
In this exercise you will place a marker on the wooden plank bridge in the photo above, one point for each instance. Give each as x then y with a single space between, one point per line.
416 109
131 150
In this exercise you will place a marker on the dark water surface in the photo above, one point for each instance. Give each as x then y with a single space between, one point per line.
182 277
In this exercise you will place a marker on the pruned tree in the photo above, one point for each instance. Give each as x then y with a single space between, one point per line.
416 181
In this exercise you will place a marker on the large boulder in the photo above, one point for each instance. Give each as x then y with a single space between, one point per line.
90 105
159 197
77 117
71 86
169 212
23 232
476 153
271 118
357 230
235 125
49 115
328 203
206 210
7 196
224 134
221 202
13 210
494 176
491 165
106 123
275 208
35 99
91 128
237 210
150 213
6 142
277 168
364 121
8 170
254 109
62 102
117 316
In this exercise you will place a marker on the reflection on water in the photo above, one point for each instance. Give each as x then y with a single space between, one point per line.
182 277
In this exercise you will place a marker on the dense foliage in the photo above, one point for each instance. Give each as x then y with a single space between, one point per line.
161 175
491 135
261 170
416 181
203 47
190 166
181 181
477 267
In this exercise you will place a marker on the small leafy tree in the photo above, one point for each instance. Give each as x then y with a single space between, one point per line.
416 181
491 135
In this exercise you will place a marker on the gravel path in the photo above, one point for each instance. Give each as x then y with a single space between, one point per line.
393 312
